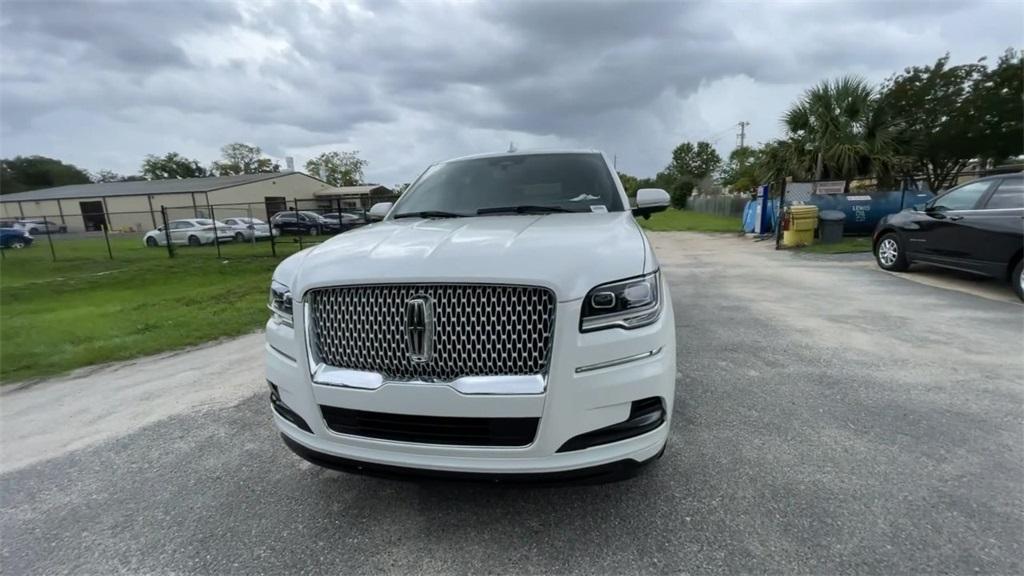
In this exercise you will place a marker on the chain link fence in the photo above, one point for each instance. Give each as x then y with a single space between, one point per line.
276 229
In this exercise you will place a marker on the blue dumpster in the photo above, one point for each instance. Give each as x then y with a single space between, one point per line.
863 211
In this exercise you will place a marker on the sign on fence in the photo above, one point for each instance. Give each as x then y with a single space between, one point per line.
830 187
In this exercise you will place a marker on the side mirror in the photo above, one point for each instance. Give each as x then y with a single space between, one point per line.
649 201
159 228
380 210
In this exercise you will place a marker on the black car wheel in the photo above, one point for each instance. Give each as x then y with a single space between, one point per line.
151 242
239 237
889 253
194 241
314 231
17 244
1017 279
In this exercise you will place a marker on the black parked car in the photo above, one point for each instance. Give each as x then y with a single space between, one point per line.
346 220
304 222
977 227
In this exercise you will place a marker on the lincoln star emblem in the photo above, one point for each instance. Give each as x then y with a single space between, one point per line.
419 328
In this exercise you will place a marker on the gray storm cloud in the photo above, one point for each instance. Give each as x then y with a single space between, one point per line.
101 84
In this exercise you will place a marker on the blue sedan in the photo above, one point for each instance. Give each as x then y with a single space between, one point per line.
14 238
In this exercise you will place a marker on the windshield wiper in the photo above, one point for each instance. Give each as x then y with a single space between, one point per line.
428 214
524 209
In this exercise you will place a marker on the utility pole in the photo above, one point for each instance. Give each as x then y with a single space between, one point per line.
742 136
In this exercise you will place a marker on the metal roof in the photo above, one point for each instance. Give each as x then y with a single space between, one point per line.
143 187
347 190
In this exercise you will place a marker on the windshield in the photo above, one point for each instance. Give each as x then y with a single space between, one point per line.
561 182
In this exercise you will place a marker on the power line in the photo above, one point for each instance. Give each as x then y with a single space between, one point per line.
718 135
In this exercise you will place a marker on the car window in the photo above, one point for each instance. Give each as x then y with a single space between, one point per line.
231 222
180 225
963 198
1009 194
575 182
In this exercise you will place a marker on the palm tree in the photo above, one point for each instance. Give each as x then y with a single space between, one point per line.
779 160
840 129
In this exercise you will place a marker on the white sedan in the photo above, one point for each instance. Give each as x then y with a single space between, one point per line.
192 231
244 229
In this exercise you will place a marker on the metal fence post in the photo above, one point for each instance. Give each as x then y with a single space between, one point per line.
216 237
273 241
295 208
341 221
248 210
106 238
779 216
49 239
167 232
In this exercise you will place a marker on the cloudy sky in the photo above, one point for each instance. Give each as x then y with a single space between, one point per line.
101 84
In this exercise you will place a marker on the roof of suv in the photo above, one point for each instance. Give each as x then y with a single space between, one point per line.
521 153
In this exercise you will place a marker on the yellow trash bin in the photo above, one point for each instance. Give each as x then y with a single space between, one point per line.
798 225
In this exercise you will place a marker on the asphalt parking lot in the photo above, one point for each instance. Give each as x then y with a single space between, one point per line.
830 418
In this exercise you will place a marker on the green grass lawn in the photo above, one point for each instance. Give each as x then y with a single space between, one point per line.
846 246
86 309
672 220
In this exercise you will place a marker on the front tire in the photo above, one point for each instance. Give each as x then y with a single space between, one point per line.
1017 279
314 231
239 237
17 244
151 242
194 241
890 255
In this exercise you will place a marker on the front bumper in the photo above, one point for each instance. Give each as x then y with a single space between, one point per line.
573 403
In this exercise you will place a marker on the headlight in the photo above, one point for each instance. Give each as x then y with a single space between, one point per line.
280 302
630 303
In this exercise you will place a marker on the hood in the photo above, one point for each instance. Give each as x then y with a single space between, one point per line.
569 253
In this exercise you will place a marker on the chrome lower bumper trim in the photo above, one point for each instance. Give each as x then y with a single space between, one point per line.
498 385
618 361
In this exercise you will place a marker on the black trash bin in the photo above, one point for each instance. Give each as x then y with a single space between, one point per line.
830 227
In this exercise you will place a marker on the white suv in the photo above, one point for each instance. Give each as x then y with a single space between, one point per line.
506 318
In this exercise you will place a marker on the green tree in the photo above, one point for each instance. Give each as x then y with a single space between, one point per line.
840 129
630 183
111 176
740 171
997 106
691 163
239 158
938 131
171 166
23 173
338 168
779 160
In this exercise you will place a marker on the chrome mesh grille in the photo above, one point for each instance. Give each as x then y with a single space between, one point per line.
479 330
